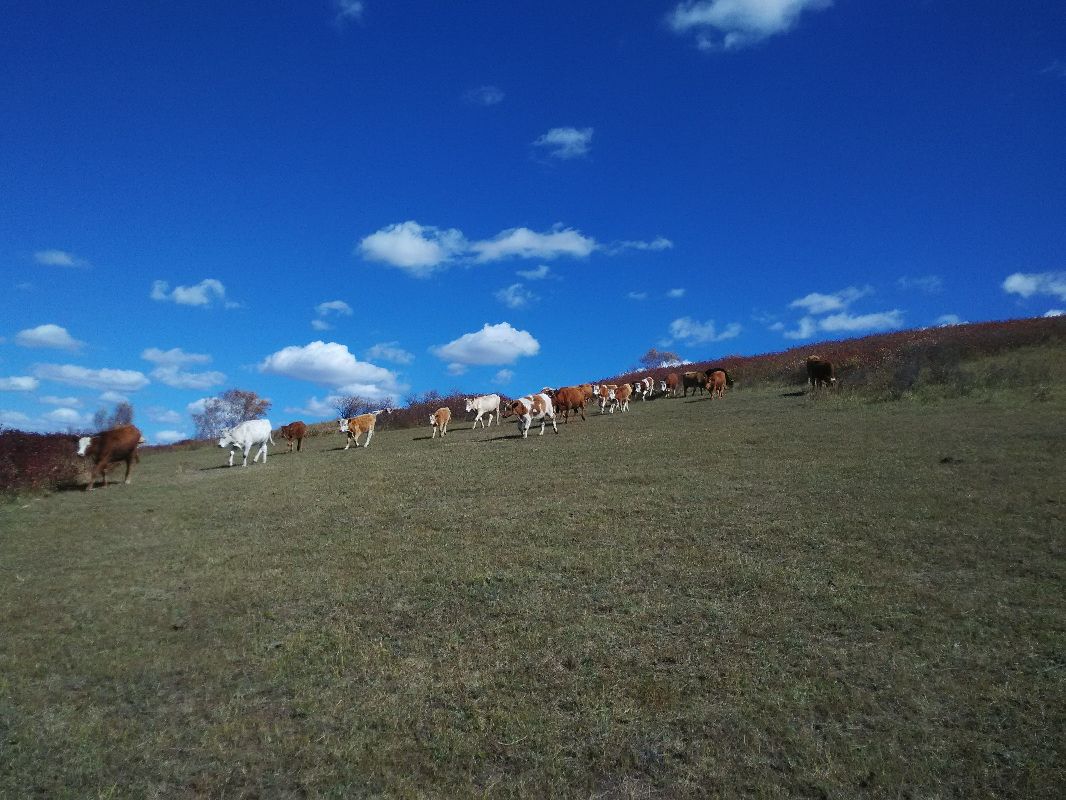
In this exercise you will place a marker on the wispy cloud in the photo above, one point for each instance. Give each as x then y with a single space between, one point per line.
565 143
1056 69
19 383
817 303
692 332
844 322
1027 284
484 96
116 380
675 294
537 274
330 308
390 351
53 336
59 258
173 376
928 284
206 293
658 243
637 296
175 356
733 24
349 10
525 243
515 296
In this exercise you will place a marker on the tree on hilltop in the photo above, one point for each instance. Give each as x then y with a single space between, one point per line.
230 408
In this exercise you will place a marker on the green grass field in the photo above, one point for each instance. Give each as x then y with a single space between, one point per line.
773 595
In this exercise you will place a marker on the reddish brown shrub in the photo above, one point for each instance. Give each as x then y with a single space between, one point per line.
38 461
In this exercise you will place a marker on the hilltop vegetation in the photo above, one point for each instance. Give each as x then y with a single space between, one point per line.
777 594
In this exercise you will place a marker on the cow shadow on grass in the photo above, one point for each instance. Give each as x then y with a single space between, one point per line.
800 393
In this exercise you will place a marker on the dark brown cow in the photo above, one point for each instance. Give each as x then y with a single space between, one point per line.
693 381
294 432
570 398
108 448
819 373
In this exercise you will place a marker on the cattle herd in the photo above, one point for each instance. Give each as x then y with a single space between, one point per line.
118 445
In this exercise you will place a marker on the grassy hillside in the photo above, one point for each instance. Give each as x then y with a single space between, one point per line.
770 595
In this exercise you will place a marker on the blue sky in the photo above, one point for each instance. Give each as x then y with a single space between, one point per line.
383 197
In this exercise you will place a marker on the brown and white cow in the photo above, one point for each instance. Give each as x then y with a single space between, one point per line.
570 398
294 432
716 383
605 393
108 448
621 397
439 420
819 373
645 387
531 408
357 426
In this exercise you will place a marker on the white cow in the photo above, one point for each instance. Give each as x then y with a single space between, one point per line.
485 404
245 436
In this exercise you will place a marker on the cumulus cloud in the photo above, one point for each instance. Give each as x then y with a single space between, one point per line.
49 335
817 303
485 96
493 344
515 296
174 357
19 383
419 249
390 351
733 24
1027 284
565 143
59 258
525 243
66 416
116 380
536 274
331 364
173 376
206 293
169 437
692 332
53 400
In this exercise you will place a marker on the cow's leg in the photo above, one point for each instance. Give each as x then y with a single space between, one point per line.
231 452
129 466
554 426
369 436
247 450
348 441
92 478
262 452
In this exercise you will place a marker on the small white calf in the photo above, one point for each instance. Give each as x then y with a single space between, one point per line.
245 436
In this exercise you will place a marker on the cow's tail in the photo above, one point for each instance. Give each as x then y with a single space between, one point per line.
270 436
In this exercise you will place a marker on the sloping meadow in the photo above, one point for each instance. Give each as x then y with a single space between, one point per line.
768 595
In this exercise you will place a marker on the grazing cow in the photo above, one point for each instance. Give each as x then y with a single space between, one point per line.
621 397
672 381
245 436
485 404
357 426
294 432
644 387
439 419
694 381
108 448
570 398
728 378
819 373
531 408
716 383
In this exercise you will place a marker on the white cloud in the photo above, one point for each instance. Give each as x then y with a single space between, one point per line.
174 357
172 375
320 409
537 274
169 437
637 295
390 351
59 258
19 383
1028 284
947 320
121 380
485 96
66 416
929 284
321 325
48 336
52 400
111 396
333 365
565 142
525 243
349 10
878 321
14 418
493 344
455 368
163 415
338 307
732 24
206 293
1055 312
693 332
816 303
805 329
503 376
419 249
675 293
659 243
515 296
197 406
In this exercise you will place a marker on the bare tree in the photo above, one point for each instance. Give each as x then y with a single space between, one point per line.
122 415
653 359
230 408
352 405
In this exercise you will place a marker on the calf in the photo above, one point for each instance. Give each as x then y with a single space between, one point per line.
439 419
485 404
294 432
245 436
531 408
108 448
355 427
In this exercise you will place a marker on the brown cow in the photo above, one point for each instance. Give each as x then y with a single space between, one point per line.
716 383
672 381
693 381
357 426
108 448
621 397
294 432
819 373
570 398
439 419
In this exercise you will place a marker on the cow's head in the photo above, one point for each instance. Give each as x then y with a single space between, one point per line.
342 426
470 405
226 439
519 408
83 444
